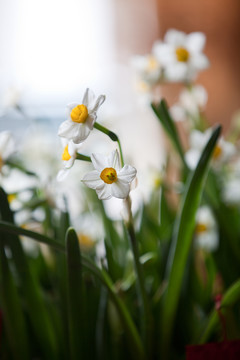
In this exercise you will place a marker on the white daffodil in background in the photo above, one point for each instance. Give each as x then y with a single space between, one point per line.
223 151
68 157
81 118
181 55
108 178
191 103
7 147
148 70
206 232
231 184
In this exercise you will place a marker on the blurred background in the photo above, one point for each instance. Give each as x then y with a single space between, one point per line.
52 50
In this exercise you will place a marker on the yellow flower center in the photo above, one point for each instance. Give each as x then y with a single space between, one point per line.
79 114
11 197
182 54
200 228
66 156
152 63
109 175
85 241
217 152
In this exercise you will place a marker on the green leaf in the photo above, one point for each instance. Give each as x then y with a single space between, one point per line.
10 228
76 298
12 311
162 113
36 308
181 242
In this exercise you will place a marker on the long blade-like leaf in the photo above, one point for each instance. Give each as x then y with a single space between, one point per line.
76 301
12 310
168 124
36 308
182 238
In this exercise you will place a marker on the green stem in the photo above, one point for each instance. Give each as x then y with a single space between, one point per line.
145 308
83 157
112 136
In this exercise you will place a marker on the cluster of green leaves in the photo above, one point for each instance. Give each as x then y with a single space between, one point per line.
78 307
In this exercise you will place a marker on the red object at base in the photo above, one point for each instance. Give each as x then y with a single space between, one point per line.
218 351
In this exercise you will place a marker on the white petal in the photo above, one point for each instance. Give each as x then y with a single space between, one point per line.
91 120
99 161
104 192
92 179
199 62
82 133
73 148
176 72
67 129
71 106
120 189
175 37
100 100
164 53
127 174
113 160
62 174
192 156
195 41
88 98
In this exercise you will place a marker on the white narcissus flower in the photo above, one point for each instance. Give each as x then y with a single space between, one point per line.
191 103
148 68
7 146
206 232
108 178
68 157
181 55
81 118
223 151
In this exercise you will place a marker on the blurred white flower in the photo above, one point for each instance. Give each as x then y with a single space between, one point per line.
7 146
108 178
223 151
81 118
68 157
148 69
191 103
206 232
231 191
231 184
181 55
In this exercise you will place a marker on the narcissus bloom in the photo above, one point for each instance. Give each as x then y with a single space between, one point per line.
81 118
148 68
108 178
7 146
223 151
206 232
68 157
181 55
191 103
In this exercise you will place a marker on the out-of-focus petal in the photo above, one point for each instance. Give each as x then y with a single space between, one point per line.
195 41
199 61
175 37
62 174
